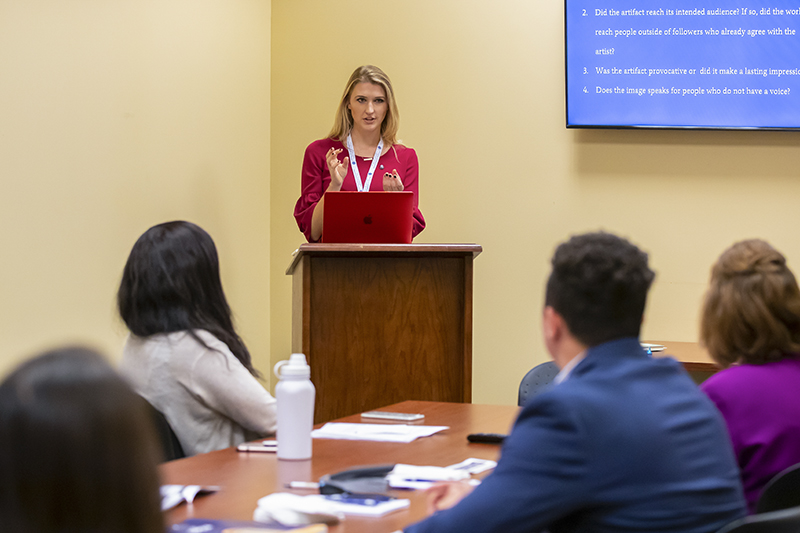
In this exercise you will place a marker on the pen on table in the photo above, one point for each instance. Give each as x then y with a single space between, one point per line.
302 485
265 446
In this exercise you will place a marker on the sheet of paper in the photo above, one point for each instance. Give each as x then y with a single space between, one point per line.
423 485
474 466
428 473
375 432
173 495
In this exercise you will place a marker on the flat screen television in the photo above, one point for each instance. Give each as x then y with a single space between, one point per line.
719 64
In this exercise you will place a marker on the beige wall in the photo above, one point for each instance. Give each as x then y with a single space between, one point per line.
480 87
118 115
114 116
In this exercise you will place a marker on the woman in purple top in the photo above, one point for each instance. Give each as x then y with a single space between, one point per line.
751 327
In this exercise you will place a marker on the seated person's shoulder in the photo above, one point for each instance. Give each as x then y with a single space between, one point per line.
563 405
211 340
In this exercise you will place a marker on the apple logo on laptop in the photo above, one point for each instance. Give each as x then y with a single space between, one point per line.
368 219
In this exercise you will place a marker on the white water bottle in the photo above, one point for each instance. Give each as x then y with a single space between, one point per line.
295 394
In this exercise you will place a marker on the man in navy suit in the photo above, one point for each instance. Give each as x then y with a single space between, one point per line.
622 442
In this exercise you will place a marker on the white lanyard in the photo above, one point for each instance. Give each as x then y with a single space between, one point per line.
356 174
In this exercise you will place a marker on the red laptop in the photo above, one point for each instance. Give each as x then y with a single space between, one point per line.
368 217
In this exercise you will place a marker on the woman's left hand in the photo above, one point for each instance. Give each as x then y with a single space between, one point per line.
392 182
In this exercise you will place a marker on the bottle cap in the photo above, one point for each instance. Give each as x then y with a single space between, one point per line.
296 366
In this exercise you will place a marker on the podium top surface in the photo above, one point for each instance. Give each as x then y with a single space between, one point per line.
382 250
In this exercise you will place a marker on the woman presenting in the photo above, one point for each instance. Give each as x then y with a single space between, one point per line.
365 134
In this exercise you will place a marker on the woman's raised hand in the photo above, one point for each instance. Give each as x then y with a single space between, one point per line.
392 182
337 169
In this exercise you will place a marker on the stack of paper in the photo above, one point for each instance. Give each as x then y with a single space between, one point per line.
422 477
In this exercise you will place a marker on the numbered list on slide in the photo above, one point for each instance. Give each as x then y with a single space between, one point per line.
726 64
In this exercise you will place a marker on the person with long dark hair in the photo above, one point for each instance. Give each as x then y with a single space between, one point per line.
184 355
79 452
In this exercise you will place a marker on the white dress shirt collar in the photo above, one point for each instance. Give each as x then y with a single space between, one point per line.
567 370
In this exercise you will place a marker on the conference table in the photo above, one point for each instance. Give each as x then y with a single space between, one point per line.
246 477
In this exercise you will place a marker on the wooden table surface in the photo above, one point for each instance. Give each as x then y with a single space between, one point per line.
246 477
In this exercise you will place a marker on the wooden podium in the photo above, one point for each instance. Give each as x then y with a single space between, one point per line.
383 323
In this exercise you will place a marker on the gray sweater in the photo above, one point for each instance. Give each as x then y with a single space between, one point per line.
208 397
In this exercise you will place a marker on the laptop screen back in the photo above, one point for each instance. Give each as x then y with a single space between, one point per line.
368 217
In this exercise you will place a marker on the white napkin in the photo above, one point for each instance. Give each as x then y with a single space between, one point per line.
293 510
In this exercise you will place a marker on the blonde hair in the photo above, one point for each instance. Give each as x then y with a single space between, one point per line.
751 312
343 123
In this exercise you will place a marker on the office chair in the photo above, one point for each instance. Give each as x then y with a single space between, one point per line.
536 380
170 445
782 491
785 521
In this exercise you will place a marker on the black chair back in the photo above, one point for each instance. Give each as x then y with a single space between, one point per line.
170 444
786 521
536 380
782 491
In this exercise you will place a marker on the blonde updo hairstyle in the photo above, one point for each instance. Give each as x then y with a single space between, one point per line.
751 312
343 123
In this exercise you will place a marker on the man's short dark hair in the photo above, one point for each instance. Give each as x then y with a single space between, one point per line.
599 285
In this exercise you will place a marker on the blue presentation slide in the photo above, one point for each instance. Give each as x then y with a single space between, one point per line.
676 63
